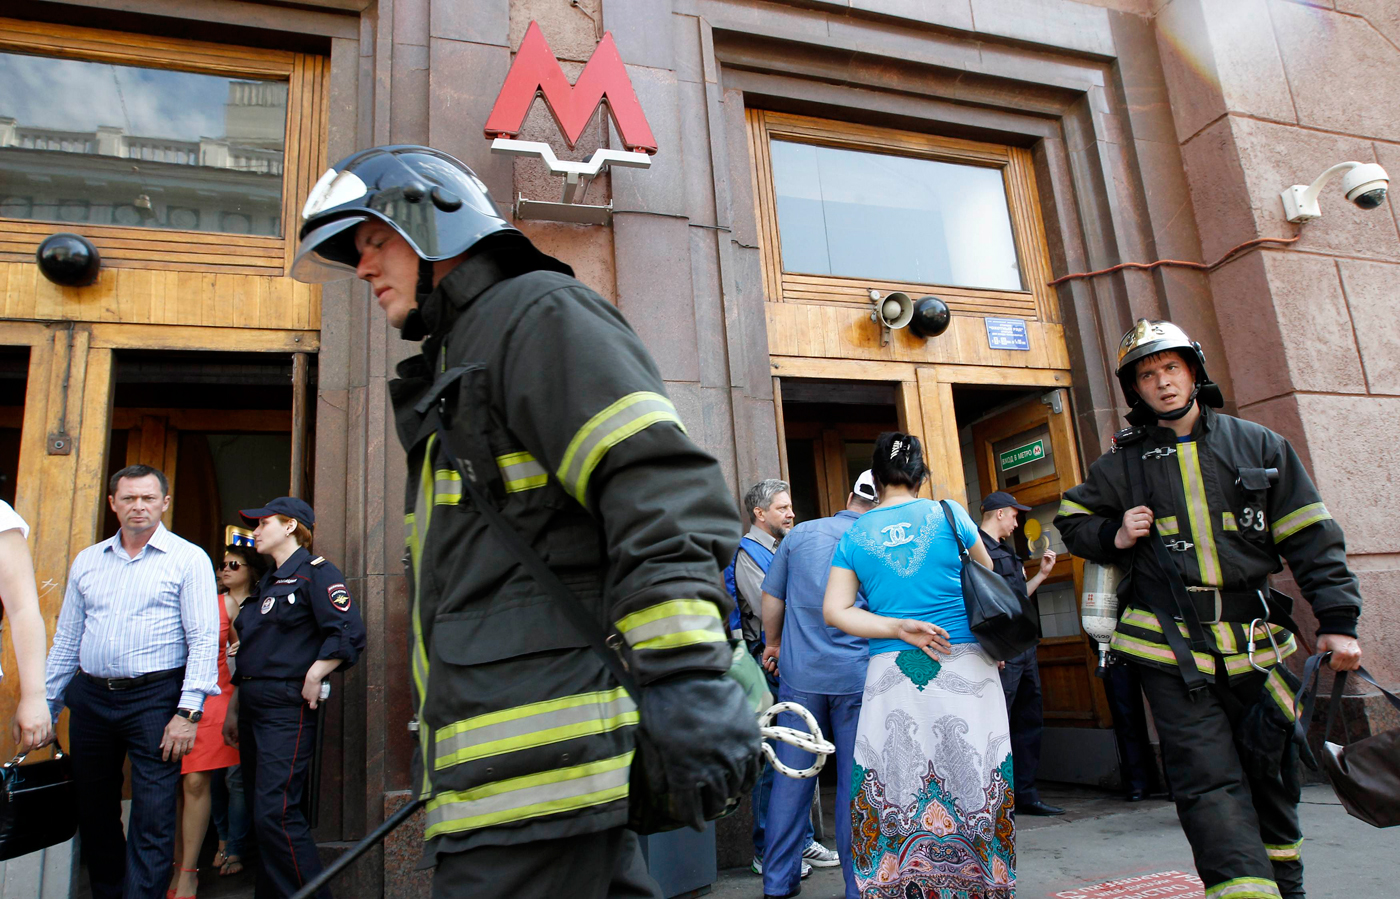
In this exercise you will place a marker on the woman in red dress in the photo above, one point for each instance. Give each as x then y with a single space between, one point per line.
208 757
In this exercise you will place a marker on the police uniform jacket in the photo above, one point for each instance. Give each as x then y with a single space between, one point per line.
1006 563
300 613
554 406
1226 527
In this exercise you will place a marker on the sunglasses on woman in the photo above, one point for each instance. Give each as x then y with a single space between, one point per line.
231 566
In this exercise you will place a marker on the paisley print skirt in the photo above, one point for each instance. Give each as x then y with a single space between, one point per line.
931 793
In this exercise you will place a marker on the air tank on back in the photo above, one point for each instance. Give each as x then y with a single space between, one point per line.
1098 612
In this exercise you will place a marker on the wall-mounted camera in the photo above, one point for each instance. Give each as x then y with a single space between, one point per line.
68 259
1364 183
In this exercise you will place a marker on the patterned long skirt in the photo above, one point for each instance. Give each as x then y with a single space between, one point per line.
931 793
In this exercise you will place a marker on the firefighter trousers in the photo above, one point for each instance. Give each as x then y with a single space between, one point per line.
603 865
1243 828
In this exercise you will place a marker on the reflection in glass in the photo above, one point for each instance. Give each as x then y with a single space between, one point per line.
893 218
103 144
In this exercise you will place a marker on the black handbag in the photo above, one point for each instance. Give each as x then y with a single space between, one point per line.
1366 773
1002 624
38 804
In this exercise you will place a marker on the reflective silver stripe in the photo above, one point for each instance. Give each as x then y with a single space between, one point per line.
447 487
1244 888
521 472
537 724
532 796
676 622
629 415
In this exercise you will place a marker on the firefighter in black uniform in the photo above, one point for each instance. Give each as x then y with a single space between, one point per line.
1216 504
553 406
298 627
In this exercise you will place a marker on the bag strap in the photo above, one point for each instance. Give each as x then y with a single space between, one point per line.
1185 660
573 608
948 513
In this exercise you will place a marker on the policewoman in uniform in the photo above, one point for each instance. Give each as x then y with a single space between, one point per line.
1199 508
299 627
551 404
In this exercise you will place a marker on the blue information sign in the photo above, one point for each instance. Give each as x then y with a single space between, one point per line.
1007 334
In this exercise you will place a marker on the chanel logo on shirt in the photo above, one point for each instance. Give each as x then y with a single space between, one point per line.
896 533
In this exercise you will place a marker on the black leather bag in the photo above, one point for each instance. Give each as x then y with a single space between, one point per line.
1002 624
1365 774
38 805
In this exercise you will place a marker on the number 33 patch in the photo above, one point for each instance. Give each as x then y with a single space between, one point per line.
340 597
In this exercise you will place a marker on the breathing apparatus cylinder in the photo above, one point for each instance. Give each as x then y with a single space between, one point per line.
1099 611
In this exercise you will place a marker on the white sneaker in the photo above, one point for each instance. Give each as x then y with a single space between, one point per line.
756 867
820 856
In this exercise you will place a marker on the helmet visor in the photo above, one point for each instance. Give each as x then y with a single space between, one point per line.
328 253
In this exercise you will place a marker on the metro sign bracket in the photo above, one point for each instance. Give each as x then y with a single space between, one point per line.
535 74
576 175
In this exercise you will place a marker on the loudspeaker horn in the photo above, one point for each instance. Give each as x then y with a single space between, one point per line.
893 310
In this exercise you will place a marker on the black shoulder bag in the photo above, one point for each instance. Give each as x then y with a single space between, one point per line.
38 804
1365 773
999 620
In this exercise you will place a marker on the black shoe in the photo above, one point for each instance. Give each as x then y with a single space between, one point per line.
784 896
1039 808
1136 795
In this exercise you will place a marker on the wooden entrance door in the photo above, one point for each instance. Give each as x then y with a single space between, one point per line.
1029 451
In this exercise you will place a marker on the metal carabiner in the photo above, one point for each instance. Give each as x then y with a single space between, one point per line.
1249 647
811 741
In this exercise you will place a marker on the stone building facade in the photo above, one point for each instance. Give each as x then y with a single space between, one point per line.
1126 131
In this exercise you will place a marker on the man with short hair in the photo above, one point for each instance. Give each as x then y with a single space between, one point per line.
823 670
134 656
769 507
1020 674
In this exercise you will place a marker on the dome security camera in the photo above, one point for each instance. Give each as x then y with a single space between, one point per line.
1364 183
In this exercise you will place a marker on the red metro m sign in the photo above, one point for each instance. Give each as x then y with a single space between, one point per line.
536 73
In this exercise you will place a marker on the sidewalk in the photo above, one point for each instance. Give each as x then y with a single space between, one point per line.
1101 838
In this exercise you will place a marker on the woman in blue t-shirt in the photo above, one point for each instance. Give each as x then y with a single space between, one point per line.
933 803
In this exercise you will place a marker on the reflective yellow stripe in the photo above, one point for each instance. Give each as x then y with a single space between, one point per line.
1283 697
1244 888
1298 519
1284 852
521 472
422 514
1167 526
633 413
536 724
1235 663
531 796
1070 507
1198 509
676 622
447 487
1227 521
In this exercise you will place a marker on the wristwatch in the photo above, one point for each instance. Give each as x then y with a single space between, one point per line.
192 714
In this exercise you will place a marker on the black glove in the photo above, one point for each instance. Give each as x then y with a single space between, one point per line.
699 752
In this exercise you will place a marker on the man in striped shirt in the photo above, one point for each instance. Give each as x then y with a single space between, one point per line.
134 656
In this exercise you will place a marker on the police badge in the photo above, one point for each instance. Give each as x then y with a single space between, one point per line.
268 603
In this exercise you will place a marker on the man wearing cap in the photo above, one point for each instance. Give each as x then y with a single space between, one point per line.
823 669
299 627
1020 675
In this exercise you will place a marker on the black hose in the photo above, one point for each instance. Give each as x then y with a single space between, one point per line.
359 849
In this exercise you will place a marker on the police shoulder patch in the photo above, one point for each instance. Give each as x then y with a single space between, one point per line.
318 560
339 596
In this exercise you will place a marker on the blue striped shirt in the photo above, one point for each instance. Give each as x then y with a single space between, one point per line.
127 616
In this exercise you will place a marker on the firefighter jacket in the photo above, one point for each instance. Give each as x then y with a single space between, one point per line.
553 404
1226 526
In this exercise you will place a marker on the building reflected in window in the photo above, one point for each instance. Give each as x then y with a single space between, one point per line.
101 144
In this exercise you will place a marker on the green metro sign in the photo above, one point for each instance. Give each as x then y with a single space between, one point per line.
1023 455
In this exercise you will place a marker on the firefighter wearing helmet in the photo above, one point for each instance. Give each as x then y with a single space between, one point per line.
1198 508
536 388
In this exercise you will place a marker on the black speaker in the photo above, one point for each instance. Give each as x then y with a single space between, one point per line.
68 259
931 317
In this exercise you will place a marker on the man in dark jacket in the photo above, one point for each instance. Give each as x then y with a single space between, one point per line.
548 401
1216 504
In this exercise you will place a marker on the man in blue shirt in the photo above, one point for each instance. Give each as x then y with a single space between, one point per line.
822 669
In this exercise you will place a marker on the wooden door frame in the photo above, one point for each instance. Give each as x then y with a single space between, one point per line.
1066 650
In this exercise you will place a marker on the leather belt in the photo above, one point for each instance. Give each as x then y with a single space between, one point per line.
130 683
1214 605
